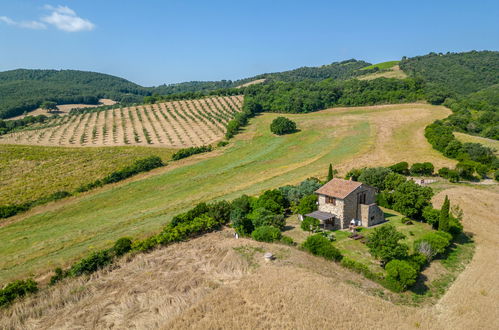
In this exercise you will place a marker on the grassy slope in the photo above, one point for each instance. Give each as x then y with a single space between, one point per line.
382 66
493 144
30 172
256 161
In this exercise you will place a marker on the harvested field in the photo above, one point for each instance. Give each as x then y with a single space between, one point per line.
493 144
256 160
216 281
393 72
174 124
63 109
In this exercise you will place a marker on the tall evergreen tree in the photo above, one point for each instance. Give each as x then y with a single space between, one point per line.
330 173
443 222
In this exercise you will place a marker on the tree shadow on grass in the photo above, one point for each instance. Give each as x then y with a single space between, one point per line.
420 287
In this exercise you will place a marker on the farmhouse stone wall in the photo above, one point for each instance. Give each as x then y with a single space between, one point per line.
371 215
350 208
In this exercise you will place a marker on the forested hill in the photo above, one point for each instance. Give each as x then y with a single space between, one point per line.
468 83
24 90
337 70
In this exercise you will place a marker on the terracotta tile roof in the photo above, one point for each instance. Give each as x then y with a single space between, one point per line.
338 188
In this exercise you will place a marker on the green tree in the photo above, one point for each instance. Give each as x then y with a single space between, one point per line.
282 125
49 106
400 274
443 221
307 204
331 173
309 224
383 244
410 199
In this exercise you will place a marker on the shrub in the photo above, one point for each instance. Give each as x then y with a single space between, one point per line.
431 216
17 289
90 264
432 244
59 275
282 125
383 243
266 234
400 274
309 224
222 144
183 153
263 217
287 240
307 204
145 244
220 211
400 168
425 168
417 261
321 246
122 246
374 176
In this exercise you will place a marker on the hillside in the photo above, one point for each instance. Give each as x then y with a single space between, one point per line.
24 90
256 160
216 281
174 124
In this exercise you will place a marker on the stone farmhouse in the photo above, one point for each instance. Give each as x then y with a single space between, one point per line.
343 203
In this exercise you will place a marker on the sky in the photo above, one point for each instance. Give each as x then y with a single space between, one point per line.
152 42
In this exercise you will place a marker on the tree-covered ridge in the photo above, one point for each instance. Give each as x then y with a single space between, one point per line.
457 74
308 96
467 83
24 90
337 70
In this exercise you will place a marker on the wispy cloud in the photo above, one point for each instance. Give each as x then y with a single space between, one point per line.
61 17
35 25
65 19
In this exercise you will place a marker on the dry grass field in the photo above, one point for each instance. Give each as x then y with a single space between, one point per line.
218 282
63 109
31 172
493 144
393 72
174 124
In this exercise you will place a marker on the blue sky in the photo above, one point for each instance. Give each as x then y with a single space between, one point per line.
152 42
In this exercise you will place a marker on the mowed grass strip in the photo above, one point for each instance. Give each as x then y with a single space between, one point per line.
493 144
31 172
255 161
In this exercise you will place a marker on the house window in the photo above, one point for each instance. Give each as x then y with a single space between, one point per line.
361 198
330 200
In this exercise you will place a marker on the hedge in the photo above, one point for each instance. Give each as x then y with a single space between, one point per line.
184 153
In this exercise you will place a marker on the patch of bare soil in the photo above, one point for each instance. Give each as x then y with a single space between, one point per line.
63 109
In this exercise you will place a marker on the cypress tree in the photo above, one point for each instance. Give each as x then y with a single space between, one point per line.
330 173
443 222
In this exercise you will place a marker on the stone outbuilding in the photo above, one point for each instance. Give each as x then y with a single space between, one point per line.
343 202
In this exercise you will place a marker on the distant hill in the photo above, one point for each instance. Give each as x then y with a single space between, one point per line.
24 90
468 83
337 70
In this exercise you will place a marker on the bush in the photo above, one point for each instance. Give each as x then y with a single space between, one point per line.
432 244
400 274
222 144
307 204
287 240
431 216
59 275
92 263
17 289
400 168
417 261
425 168
309 224
383 243
266 234
183 153
122 246
263 217
282 125
321 246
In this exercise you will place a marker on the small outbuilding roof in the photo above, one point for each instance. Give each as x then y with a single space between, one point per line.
320 215
338 188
